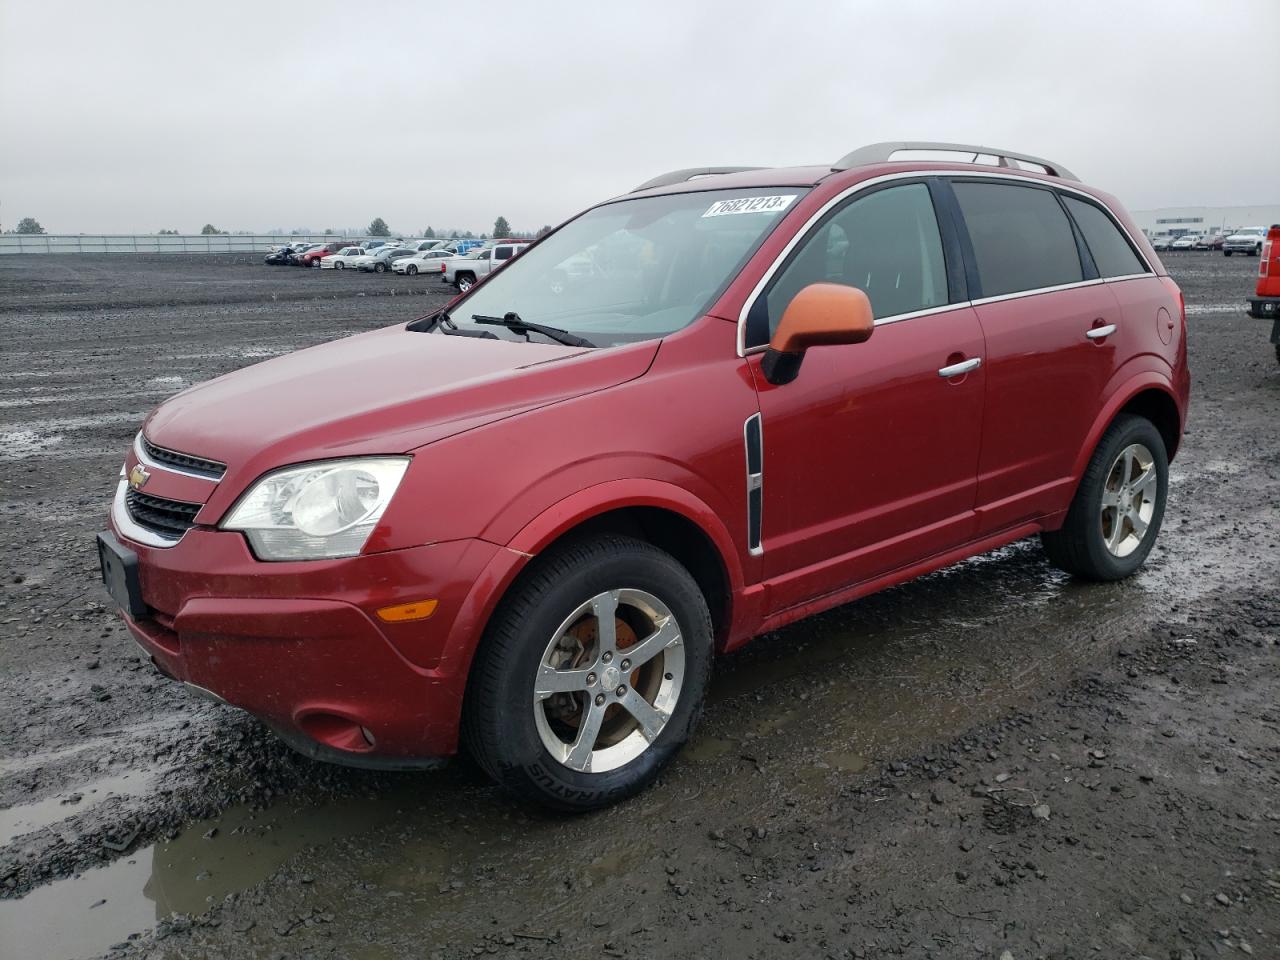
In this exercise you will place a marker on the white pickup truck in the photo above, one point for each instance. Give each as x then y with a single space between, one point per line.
1247 241
464 271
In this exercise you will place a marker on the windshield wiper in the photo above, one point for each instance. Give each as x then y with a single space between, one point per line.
513 322
444 323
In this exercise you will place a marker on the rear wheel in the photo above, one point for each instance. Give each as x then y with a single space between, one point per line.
591 676
379 268
1116 514
465 282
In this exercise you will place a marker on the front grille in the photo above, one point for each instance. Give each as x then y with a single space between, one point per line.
183 461
168 518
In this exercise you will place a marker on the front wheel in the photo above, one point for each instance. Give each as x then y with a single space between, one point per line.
339 265
1116 514
591 675
411 270
1226 253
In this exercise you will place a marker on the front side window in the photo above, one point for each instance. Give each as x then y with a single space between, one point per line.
885 243
633 269
1112 254
1021 238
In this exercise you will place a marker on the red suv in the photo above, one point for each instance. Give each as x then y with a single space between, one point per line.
313 256
727 400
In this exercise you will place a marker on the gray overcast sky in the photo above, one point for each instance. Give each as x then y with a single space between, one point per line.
133 116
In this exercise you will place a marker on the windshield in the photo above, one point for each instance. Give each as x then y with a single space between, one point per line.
631 270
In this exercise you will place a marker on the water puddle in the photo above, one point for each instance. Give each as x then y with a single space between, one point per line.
83 916
29 817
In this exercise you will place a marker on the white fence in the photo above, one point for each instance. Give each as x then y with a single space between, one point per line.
152 243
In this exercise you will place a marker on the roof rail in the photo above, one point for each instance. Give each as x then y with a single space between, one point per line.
882 152
689 173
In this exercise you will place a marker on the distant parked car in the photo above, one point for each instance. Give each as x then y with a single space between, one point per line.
1161 243
280 255
380 260
1184 243
1247 240
342 259
1210 241
312 257
299 251
424 261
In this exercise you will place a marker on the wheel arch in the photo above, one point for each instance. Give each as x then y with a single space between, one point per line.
660 513
1148 394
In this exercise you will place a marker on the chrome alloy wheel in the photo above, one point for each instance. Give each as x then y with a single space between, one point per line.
609 680
1128 499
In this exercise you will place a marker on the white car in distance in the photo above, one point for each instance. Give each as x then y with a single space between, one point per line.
424 261
342 259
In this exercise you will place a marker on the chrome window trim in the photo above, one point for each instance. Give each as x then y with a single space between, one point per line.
1017 294
139 451
126 526
845 194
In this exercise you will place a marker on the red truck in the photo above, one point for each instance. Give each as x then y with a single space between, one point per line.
527 522
1265 304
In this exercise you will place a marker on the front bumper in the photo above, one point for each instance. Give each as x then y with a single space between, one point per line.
300 644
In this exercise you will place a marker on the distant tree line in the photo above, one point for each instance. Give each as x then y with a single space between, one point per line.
377 228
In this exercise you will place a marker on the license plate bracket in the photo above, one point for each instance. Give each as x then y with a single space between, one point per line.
120 575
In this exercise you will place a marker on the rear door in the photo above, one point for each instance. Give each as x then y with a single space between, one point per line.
1049 324
870 455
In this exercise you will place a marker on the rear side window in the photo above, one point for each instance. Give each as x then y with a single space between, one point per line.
1021 238
1111 251
885 243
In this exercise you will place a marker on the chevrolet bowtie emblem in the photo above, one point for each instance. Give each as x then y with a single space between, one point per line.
138 477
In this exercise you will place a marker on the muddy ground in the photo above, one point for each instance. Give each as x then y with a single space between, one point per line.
994 758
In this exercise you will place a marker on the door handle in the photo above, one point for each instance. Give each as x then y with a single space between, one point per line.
961 368
1097 333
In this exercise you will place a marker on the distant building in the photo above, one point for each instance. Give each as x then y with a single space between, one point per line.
1176 221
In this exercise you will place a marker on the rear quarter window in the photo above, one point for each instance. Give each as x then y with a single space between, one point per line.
1112 254
1022 239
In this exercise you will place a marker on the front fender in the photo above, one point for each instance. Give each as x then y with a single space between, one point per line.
558 519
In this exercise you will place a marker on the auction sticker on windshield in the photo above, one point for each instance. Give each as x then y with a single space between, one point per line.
722 208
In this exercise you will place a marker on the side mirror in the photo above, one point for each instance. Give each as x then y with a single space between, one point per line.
822 314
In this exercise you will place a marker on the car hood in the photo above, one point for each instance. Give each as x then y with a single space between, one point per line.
1244 236
386 391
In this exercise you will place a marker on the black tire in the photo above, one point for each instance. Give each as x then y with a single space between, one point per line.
379 268
465 281
1078 547
498 725
339 265
1226 253
411 269
1278 353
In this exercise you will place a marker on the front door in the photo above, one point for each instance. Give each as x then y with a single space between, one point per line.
870 454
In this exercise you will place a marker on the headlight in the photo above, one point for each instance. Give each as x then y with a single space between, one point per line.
318 510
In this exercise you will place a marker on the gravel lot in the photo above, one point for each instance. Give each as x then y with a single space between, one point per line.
994 758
